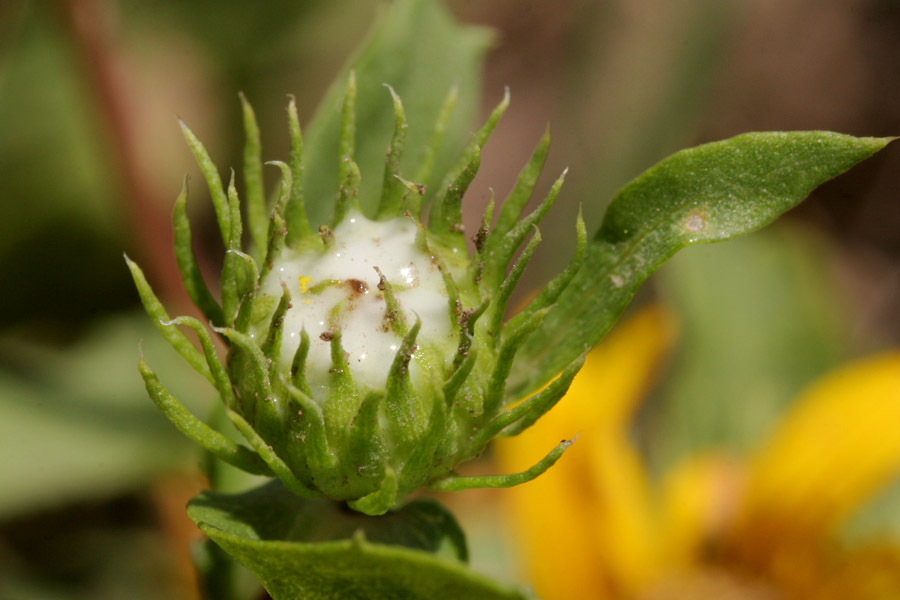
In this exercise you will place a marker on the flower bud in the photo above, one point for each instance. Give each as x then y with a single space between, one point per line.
367 358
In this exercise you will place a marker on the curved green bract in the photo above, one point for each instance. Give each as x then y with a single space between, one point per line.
710 193
317 550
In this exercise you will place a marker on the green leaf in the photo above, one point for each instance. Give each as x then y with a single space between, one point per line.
316 549
419 49
214 442
162 321
257 217
710 193
191 276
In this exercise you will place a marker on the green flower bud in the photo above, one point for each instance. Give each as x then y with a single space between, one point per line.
368 358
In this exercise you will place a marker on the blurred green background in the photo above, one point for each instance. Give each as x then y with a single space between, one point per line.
93 479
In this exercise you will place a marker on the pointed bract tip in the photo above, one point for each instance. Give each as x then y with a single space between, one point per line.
416 188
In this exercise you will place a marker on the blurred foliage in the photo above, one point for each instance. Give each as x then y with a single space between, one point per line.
742 355
75 423
661 71
59 211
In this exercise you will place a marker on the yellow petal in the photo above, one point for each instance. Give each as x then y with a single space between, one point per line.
619 371
550 518
868 573
699 497
623 515
585 527
834 449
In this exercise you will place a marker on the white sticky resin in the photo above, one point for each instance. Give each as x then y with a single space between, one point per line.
338 289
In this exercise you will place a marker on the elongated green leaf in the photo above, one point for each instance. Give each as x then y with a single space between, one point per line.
316 549
456 483
705 194
514 204
257 219
295 210
187 262
419 49
216 443
158 313
213 181
392 189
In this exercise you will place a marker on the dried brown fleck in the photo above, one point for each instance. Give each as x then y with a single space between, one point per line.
358 286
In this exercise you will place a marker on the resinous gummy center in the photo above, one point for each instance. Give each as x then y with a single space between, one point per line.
337 288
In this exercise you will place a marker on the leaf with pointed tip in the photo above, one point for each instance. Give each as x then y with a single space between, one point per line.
710 193
271 348
160 317
402 405
421 73
515 203
187 262
213 441
499 251
316 550
294 210
213 182
392 188
456 483
315 451
445 217
257 219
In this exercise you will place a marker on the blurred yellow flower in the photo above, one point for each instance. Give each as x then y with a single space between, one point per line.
596 526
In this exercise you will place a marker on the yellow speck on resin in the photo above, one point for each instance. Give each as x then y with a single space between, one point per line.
304 286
